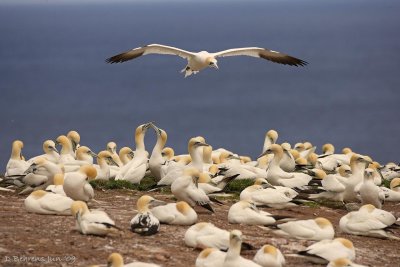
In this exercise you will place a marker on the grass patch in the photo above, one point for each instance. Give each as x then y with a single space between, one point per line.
386 183
146 184
311 204
238 185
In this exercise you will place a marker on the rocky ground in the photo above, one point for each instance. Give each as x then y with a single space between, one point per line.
45 240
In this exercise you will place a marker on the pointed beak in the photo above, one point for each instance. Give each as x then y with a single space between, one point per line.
215 66
54 149
94 155
263 154
156 203
112 161
201 144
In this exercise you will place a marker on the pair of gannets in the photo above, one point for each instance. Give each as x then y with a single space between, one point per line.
201 60
43 202
92 222
368 221
76 184
312 229
145 223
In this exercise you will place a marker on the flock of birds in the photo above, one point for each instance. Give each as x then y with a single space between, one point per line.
284 175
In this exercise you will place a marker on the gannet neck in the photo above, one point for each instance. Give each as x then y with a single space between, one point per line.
143 203
16 149
235 243
161 141
207 152
66 146
139 137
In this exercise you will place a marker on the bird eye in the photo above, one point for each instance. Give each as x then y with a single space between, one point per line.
211 63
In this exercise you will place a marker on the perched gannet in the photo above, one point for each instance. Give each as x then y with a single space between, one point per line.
343 262
207 235
278 197
334 185
277 176
75 139
204 59
368 221
104 158
270 138
50 152
369 192
76 184
179 213
67 154
135 169
210 257
392 194
269 256
84 155
328 250
116 260
245 212
16 165
126 154
145 223
313 229
43 202
195 149
112 148
95 222
358 165
233 258
287 162
58 186
156 160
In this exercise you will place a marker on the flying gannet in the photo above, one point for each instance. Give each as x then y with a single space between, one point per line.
203 59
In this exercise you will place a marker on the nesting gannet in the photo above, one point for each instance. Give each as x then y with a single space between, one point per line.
75 139
126 154
145 223
245 212
208 186
16 165
58 186
329 161
184 188
76 184
95 222
135 169
201 60
328 250
156 160
179 213
210 257
313 229
233 258
50 152
67 153
277 176
112 148
269 256
334 185
204 235
116 260
41 173
43 202
104 158
368 221
369 192
392 194
343 262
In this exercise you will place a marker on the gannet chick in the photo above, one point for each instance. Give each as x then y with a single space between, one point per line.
156 160
368 221
184 189
42 202
325 251
116 260
201 60
343 262
209 257
207 235
233 258
104 158
50 152
313 229
145 223
16 166
126 154
76 184
67 154
179 213
95 222
392 194
245 212
58 186
75 139
269 256
112 148
369 192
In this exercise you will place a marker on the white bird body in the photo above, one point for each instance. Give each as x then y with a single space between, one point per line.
206 235
316 229
210 257
269 256
244 212
392 193
278 197
43 202
42 172
233 258
203 59
357 164
156 160
76 184
16 165
175 213
335 185
369 192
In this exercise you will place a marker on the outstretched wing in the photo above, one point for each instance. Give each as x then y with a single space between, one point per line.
267 54
149 49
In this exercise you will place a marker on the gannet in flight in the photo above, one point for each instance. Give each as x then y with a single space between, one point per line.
203 59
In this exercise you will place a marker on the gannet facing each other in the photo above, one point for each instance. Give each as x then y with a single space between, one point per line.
269 256
145 223
95 222
43 202
201 60
179 213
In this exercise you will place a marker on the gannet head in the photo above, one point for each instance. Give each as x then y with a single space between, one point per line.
369 173
346 150
323 223
319 174
17 146
245 159
107 156
235 238
78 207
183 207
299 147
213 169
307 145
357 159
89 171
145 201
141 131
75 139
115 260
58 179
207 152
368 208
38 194
341 262
204 178
272 135
286 146
49 146
395 183
295 153
301 161
206 252
273 149
344 170
112 147
212 62
126 151
328 149
312 159
195 142
65 143
168 152
268 249
345 242
84 150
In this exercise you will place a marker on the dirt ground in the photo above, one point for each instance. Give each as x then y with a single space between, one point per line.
45 240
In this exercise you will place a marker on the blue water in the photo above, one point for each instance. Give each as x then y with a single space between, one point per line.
53 77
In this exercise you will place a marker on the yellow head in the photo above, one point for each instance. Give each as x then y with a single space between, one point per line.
111 147
89 171
346 150
58 179
268 249
207 152
64 142
323 223
78 206
368 208
82 151
168 152
328 149
395 183
341 262
49 146
38 194
206 252
301 161
213 169
286 146
17 146
115 260
191 172
319 174
344 170
211 62
307 145
204 178
345 242
272 135
299 147
245 159
74 136
183 207
295 153
144 202
196 142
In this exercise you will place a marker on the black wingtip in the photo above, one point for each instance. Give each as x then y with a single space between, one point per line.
208 206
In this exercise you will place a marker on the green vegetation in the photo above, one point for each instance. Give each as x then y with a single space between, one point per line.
238 185
146 184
